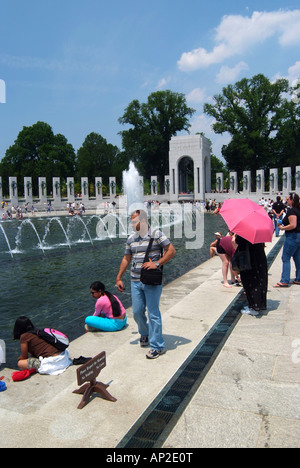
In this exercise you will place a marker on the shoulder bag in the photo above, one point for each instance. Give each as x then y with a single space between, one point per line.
151 277
241 261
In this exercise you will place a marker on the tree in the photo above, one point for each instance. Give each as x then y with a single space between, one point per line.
252 112
38 152
96 157
287 140
216 164
153 124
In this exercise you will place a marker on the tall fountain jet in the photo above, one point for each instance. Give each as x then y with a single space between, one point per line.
133 189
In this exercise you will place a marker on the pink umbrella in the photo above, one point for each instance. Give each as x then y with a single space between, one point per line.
248 219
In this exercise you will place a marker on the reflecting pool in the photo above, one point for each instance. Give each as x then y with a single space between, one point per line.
48 264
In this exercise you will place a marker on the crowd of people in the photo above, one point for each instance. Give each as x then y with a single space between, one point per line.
110 315
75 208
212 206
286 217
15 211
148 250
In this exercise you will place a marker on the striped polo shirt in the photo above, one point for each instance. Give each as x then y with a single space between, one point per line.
137 247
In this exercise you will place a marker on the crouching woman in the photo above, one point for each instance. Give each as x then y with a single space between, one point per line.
109 314
36 353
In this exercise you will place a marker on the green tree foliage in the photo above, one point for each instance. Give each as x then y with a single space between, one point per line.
287 141
38 152
252 111
96 157
152 125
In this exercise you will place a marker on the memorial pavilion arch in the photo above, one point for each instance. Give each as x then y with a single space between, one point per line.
190 167
186 175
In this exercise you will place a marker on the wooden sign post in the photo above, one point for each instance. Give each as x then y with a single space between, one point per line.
88 372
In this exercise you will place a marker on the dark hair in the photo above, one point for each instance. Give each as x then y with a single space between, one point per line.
22 325
295 198
116 309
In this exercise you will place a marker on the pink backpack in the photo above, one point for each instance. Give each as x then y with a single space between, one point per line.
53 337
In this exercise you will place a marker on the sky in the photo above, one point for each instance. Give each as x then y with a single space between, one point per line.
76 64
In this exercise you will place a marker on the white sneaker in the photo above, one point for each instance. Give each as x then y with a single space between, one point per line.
246 310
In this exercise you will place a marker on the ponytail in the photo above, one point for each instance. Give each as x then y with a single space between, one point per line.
116 309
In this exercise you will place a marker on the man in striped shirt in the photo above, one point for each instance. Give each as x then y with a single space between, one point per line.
144 295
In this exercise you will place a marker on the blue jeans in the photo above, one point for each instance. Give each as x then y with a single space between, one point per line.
144 295
276 225
291 249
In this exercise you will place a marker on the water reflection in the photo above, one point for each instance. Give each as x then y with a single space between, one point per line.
54 264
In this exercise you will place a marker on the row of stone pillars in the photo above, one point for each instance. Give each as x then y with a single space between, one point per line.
56 189
286 187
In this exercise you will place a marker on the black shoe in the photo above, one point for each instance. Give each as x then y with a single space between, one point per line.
81 360
144 341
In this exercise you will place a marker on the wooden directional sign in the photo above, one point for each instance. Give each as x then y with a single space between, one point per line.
91 369
88 373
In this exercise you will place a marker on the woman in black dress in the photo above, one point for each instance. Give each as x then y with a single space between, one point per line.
255 281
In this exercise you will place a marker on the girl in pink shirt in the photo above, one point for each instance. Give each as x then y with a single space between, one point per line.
109 314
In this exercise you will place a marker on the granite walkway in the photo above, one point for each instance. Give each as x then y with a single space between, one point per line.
250 396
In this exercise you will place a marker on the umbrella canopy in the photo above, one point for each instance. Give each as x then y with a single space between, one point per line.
248 219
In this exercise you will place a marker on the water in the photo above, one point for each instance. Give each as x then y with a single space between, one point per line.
55 261
133 189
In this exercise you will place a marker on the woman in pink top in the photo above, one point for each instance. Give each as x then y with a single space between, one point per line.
109 314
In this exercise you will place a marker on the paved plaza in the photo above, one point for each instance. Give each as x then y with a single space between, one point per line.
248 395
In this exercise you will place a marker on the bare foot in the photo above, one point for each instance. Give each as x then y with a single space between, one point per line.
227 285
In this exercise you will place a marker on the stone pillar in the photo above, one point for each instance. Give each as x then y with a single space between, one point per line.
84 189
112 187
13 190
42 190
260 181
28 190
297 180
247 182
286 181
273 182
56 190
70 189
233 182
141 183
98 189
219 182
167 184
153 185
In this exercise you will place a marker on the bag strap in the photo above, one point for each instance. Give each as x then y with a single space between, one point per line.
148 249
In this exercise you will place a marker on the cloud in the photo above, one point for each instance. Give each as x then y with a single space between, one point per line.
197 95
292 75
203 123
237 34
162 83
228 75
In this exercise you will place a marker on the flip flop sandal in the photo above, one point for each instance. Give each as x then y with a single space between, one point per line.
280 285
296 282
